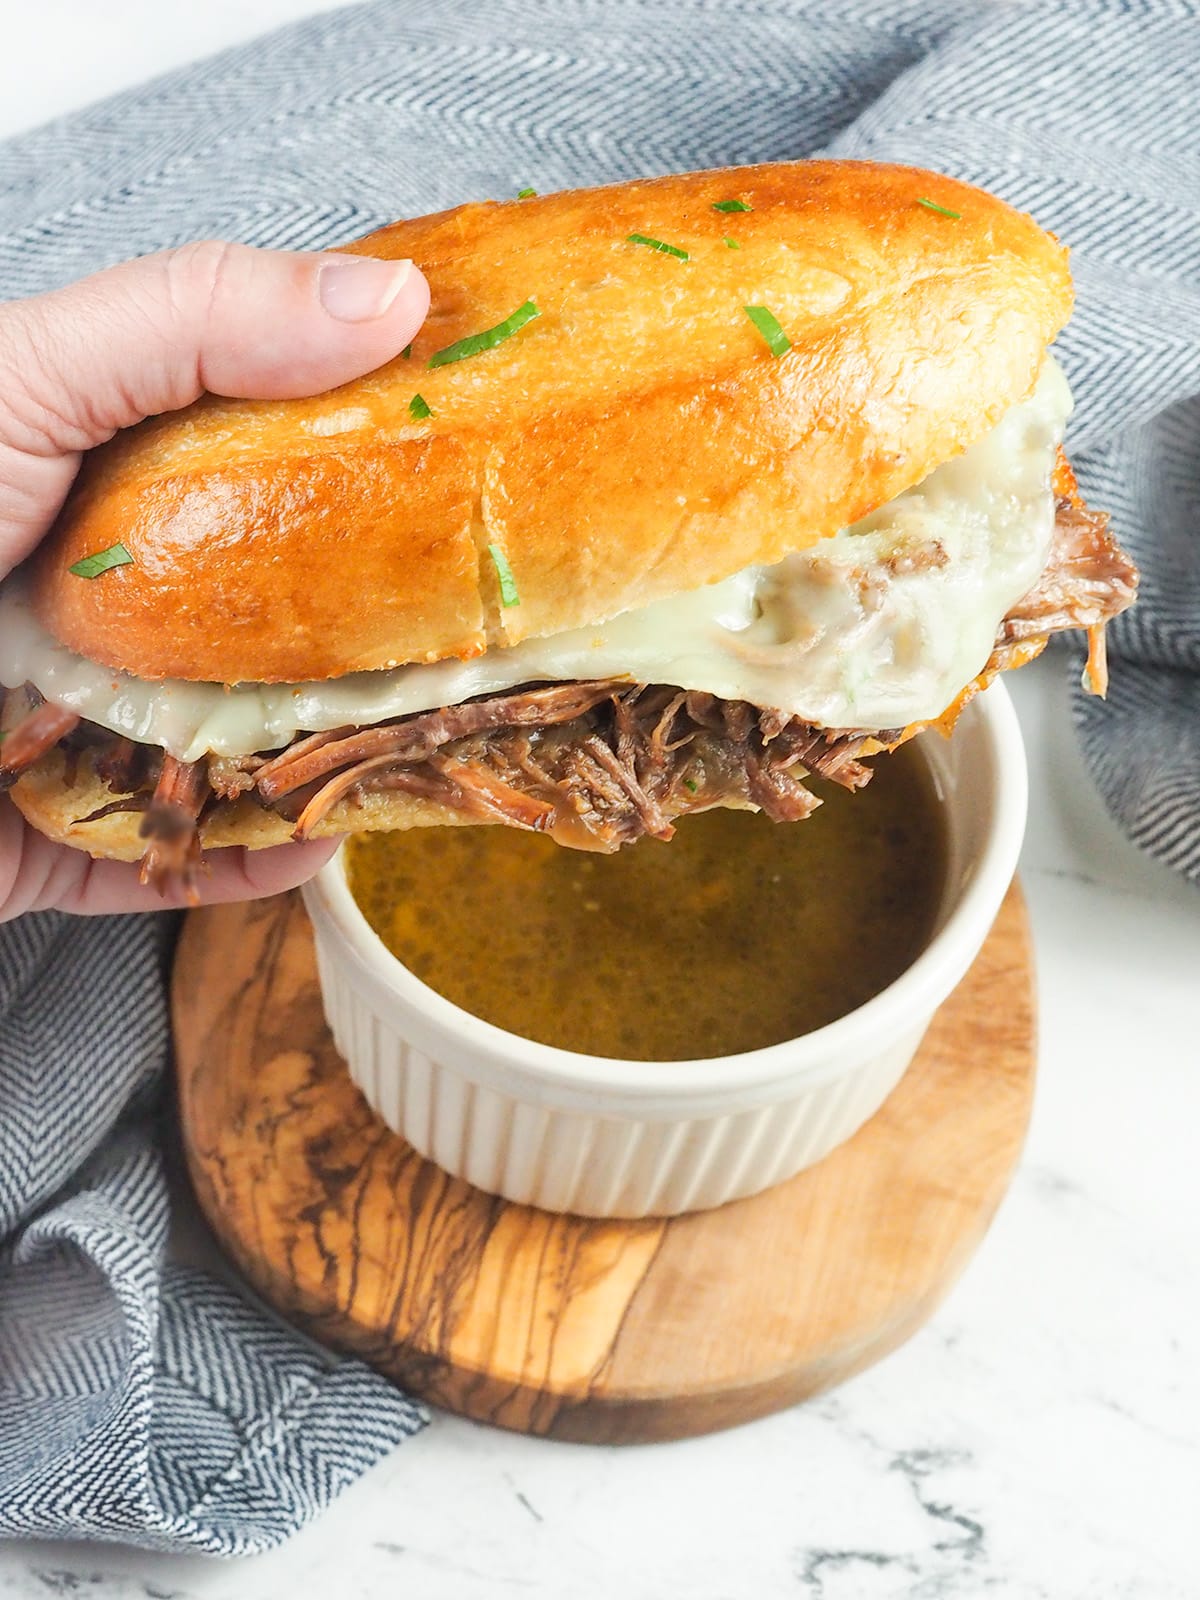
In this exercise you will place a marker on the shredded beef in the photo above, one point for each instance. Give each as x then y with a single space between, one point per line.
487 793
124 765
611 770
38 731
1086 581
129 802
231 776
170 825
600 763
415 738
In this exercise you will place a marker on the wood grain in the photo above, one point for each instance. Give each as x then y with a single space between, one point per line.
565 1326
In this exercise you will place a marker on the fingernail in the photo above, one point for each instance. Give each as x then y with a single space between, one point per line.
357 288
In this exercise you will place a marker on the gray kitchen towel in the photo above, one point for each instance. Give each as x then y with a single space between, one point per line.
144 1403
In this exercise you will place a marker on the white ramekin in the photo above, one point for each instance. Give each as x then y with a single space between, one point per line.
611 1138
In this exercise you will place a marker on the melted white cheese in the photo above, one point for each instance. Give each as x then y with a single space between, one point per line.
880 626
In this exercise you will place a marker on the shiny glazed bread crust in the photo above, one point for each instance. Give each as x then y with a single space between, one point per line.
637 439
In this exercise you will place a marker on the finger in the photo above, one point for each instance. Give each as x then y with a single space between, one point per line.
37 874
151 335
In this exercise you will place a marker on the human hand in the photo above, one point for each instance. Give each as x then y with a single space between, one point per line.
149 336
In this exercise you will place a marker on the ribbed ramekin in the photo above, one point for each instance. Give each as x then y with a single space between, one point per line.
610 1138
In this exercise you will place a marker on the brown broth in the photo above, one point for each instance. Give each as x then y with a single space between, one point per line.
739 933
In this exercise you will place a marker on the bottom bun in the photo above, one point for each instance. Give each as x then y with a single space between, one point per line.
52 805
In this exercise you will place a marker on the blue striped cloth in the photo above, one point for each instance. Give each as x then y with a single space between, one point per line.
145 1403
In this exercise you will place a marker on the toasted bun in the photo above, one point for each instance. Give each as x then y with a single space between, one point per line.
51 805
637 439
45 800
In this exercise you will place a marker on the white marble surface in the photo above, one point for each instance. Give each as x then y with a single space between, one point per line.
1040 1440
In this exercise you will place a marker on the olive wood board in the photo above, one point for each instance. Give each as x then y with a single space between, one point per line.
607 1331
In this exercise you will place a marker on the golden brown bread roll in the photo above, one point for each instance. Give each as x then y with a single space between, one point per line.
635 440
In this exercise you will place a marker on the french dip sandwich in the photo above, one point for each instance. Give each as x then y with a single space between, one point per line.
686 490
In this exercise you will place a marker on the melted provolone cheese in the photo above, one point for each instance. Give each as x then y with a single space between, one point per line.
877 627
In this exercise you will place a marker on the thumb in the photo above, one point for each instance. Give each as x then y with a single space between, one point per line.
152 335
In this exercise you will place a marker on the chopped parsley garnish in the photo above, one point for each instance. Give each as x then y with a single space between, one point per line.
688 784
406 353
768 325
732 243
526 194
419 408
659 245
474 343
942 211
103 561
731 205
509 595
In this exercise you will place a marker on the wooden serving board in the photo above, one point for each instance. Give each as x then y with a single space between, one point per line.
574 1328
